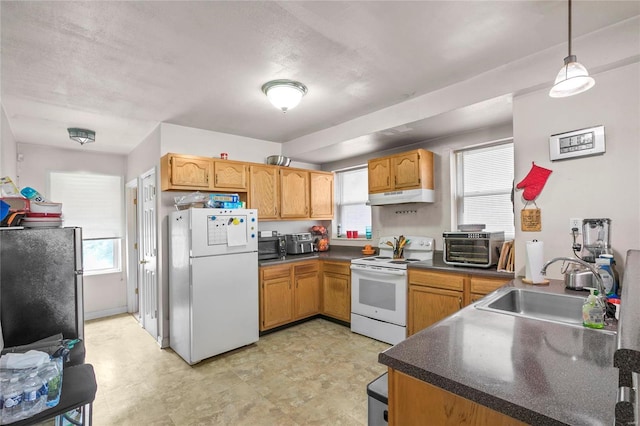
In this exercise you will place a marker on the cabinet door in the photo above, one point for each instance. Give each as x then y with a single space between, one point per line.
407 170
185 172
276 303
429 305
336 296
307 290
485 285
294 193
380 175
414 402
229 175
264 194
321 195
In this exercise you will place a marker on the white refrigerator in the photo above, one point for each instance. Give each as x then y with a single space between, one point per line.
213 281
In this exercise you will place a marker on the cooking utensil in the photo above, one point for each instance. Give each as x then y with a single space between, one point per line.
278 160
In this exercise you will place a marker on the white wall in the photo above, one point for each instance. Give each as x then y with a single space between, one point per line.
8 148
592 187
103 294
145 156
429 219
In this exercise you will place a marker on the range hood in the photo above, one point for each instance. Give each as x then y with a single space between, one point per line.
402 197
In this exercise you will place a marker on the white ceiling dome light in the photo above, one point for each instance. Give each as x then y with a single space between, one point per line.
573 77
284 94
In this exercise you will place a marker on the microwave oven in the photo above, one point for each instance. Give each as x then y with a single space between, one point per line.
479 249
274 247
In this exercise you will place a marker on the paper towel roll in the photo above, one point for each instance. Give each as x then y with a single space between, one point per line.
535 260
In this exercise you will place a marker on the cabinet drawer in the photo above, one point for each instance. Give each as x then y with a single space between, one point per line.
271 272
306 268
437 279
342 268
485 285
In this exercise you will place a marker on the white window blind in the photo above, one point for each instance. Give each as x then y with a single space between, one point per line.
91 201
484 183
353 190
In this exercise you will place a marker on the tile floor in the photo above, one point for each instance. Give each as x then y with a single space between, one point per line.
314 373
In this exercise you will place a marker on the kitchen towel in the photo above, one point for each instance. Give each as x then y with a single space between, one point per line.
534 262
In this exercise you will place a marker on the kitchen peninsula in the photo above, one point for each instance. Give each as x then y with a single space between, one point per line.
489 368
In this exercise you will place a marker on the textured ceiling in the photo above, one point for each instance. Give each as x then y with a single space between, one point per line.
122 67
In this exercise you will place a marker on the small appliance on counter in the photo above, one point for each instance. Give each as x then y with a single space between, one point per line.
300 243
271 245
477 248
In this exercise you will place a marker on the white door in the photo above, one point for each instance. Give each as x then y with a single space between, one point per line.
132 257
148 250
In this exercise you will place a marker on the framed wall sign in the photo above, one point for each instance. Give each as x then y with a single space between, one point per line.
577 143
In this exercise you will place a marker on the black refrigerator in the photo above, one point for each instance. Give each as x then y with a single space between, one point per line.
41 291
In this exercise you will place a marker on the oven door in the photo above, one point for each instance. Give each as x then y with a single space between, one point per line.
379 293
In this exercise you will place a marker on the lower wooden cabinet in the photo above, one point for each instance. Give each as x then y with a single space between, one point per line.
414 402
336 290
276 302
481 286
429 305
434 295
306 293
288 293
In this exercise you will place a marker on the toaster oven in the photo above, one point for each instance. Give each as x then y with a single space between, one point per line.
273 247
479 249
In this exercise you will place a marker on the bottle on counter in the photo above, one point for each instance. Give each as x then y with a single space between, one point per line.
593 310
604 266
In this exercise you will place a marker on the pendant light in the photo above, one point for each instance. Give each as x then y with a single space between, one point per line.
573 77
82 136
284 94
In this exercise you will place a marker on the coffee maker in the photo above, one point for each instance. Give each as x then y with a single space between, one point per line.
595 239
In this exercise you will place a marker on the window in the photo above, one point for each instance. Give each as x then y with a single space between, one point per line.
352 189
484 181
94 203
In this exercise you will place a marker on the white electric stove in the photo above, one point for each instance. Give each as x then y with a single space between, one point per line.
379 289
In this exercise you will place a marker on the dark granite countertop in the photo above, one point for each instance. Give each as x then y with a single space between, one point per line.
348 253
344 253
538 372
438 264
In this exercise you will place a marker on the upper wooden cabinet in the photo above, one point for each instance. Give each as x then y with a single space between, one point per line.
321 195
294 193
265 191
276 192
186 172
380 175
230 175
408 170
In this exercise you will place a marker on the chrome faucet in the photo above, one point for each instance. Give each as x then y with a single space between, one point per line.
599 283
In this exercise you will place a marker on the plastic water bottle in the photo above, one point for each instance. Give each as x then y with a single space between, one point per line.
12 401
50 390
32 401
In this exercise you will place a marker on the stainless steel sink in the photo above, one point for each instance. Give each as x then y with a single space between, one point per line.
559 308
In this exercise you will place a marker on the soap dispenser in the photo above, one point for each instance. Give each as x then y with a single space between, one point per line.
593 310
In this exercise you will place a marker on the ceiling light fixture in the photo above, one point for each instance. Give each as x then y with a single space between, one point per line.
284 94
573 77
82 136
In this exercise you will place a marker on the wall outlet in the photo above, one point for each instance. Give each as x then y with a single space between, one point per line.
575 222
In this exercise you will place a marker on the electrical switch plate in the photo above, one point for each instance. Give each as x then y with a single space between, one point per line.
575 222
